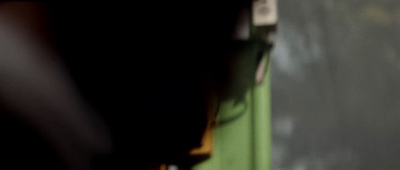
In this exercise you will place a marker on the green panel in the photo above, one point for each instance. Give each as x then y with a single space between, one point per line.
262 126
244 143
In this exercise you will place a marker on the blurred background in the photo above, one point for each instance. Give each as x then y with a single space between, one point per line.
335 77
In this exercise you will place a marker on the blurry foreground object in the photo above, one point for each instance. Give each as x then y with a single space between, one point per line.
102 86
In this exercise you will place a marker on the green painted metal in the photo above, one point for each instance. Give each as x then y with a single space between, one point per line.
243 143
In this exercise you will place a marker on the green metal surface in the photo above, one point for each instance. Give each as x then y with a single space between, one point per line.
243 143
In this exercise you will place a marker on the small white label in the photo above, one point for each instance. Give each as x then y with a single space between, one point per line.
265 12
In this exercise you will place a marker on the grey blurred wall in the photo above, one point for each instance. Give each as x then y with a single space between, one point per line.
335 73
